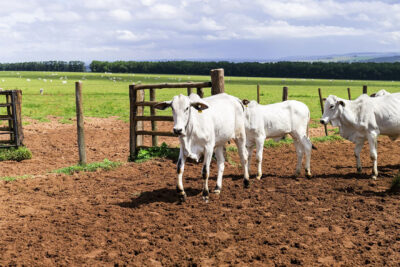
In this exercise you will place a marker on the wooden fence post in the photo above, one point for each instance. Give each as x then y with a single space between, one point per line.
321 102
189 91
285 93
349 93
9 100
134 139
18 118
365 89
217 80
154 138
258 93
80 124
200 92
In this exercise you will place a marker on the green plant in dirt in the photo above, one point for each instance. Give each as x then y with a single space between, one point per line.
329 138
162 151
287 141
91 167
14 178
231 148
271 143
16 154
335 130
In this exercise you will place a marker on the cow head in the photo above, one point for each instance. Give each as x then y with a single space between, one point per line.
332 109
181 109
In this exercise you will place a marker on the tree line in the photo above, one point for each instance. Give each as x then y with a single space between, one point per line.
284 69
73 66
340 70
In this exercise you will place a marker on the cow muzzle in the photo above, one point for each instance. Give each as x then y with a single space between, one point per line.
178 131
324 121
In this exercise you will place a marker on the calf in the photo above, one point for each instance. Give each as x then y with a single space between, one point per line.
275 121
364 119
205 125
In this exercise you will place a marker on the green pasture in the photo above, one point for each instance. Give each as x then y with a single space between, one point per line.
106 94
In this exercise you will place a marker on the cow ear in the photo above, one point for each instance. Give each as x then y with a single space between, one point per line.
341 103
199 105
245 102
162 105
373 95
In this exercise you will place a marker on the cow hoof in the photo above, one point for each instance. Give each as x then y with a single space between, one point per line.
246 183
374 177
205 194
217 190
182 197
205 198
308 174
359 170
258 177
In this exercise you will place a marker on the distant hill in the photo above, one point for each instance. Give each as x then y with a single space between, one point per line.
384 59
351 57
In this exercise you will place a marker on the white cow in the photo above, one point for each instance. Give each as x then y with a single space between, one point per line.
204 125
380 93
275 121
364 119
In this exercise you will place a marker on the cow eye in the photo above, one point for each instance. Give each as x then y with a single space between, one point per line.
332 106
187 109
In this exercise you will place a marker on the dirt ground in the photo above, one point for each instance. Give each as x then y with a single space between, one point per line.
130 215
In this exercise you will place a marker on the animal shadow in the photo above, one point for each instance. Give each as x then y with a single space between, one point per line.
165 195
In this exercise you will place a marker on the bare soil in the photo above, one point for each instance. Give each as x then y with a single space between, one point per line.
130 215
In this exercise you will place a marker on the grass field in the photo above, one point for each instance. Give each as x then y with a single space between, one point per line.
106 94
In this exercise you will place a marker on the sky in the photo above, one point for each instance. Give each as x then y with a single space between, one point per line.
40 30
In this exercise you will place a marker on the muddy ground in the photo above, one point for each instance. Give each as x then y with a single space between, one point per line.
130 215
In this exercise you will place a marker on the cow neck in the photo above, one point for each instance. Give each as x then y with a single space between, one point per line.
186 140
191 123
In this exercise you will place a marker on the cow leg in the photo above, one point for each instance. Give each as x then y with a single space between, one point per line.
259 155
299 152
219 153
249 147
307 147
206 171
357 151
241 145
374 154
180 166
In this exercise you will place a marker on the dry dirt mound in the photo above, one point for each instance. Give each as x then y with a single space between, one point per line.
130 215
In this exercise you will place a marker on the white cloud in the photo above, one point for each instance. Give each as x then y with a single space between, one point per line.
169 29
126 35
293 9
121 15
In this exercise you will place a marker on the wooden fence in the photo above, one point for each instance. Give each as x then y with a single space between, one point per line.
285 93
13 127
137 104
